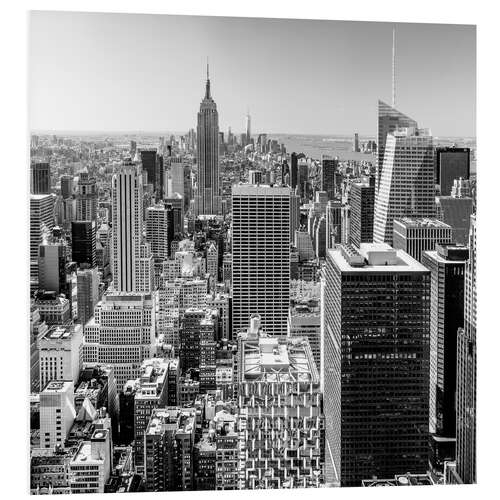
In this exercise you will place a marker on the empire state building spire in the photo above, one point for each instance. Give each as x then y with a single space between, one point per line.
207 88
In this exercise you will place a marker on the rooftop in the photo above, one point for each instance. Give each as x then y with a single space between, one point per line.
374 258
57 386
278 359
420 222
62 332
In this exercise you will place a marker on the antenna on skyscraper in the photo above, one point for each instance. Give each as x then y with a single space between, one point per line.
393 67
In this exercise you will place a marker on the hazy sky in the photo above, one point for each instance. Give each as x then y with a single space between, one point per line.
132 72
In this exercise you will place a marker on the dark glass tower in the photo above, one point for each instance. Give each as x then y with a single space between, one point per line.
83 242
362 210
451 164
375 372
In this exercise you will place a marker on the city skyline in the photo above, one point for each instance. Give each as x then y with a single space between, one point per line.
343 85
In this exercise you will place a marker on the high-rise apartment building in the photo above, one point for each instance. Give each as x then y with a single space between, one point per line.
279 398
40 178
207 201
151 393
157 231
261 256
169 442
466 371
121 333
450 164
131 258
362 203
375 365
407 181
417 235
83 242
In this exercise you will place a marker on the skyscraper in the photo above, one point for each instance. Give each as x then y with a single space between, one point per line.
328 167
389 120
87 283
248 127
375 366
52 266
447 265
261 256
450 164
86 197
40 178
417 235
362 210
157 231
131 258
466 371
41 223
83 242
66 186
208 197
407 182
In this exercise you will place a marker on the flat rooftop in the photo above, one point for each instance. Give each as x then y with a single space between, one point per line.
56 386
278 359
260 190
374 258
418 222
61 332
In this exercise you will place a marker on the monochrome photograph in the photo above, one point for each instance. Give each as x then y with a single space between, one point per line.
252 253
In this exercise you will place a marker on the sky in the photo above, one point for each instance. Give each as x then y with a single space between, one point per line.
133 72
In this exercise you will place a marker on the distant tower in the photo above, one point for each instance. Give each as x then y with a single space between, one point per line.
248 127
207 200
40 178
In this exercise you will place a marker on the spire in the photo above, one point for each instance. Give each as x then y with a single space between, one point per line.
393 67
207 88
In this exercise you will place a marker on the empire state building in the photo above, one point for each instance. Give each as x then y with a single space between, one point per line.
207 200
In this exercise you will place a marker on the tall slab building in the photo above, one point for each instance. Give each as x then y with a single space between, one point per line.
261 256
466 371
375 366
132 263
207 201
